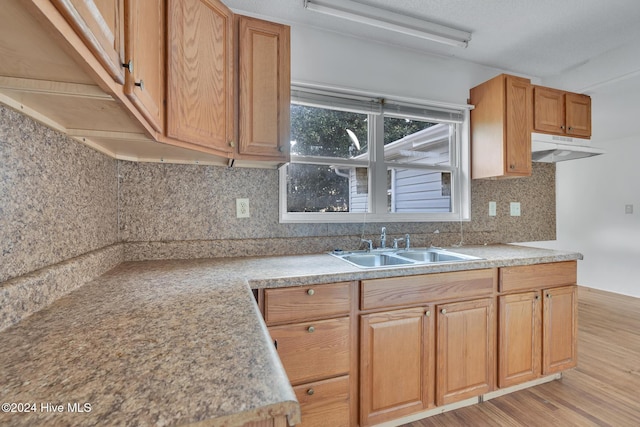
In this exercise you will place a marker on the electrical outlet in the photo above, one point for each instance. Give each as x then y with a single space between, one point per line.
514 208
628 209
492 208
242 208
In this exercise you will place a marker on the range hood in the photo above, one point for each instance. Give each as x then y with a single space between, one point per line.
554 148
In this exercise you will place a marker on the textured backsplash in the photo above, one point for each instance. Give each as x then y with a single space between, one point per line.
58 198
189 211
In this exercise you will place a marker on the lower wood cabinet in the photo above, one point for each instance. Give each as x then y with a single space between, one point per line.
537 334
313 331
466 350
560 329
396 364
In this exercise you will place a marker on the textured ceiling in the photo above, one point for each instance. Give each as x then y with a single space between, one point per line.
539 38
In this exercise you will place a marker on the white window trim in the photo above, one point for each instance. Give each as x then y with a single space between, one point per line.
460 191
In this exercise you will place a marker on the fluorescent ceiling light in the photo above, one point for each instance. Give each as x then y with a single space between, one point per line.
380 18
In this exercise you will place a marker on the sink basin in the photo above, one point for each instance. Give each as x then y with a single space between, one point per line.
401 257
375 260
434 255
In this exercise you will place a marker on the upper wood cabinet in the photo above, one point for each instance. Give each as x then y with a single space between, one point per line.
501 128
264 88
200 74
561 113
145 58
99 25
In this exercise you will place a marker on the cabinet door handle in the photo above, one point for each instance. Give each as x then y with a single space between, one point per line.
128 66
428 313
537 297
140 84
310 392
443 311
549 296
311 329
310 292
562 127
232 144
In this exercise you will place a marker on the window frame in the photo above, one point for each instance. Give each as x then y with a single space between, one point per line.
460 166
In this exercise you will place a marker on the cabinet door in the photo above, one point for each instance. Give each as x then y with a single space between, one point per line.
560 333
548 112
578 109
520 333
518 125
396 364
99 24
465 348
264 88
200 73
144 52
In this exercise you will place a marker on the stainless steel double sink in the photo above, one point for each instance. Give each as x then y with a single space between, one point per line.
401 257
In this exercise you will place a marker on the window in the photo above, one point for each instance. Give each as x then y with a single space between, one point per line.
381 159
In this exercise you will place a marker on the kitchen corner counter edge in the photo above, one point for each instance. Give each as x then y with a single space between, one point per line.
179 342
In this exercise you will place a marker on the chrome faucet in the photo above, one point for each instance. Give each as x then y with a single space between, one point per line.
407 241
383 237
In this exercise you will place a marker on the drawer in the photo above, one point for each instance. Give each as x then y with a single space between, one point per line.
285 305
314 350
538 276
324 403
413 290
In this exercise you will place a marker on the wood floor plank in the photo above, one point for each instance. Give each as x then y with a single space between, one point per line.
604 390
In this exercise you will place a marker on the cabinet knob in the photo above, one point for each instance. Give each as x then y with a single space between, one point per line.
281 149
310 392
537 297
428 313
128 66
140 84
232 144
443 311
549 296
570 128
310 292
311 329
512 166
562 127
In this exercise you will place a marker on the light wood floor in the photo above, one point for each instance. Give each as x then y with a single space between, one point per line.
604 390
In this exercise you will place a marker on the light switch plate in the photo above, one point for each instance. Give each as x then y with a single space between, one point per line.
492 208
514 208
242 208
628 209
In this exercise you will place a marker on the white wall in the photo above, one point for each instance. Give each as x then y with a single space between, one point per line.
321 57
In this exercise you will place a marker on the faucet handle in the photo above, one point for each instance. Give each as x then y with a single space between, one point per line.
396 241
368 242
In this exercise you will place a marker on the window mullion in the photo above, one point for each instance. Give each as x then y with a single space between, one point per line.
378 167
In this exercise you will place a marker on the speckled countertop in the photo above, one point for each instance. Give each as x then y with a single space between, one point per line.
177 342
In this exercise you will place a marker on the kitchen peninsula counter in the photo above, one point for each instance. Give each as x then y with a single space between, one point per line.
178 342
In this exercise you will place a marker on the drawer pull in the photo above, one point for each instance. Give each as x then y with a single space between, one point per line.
310 392
311 329
428 313
443 311
310 292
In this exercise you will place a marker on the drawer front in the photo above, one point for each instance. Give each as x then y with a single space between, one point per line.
316 350
538 276
324 403
285 305
413 290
